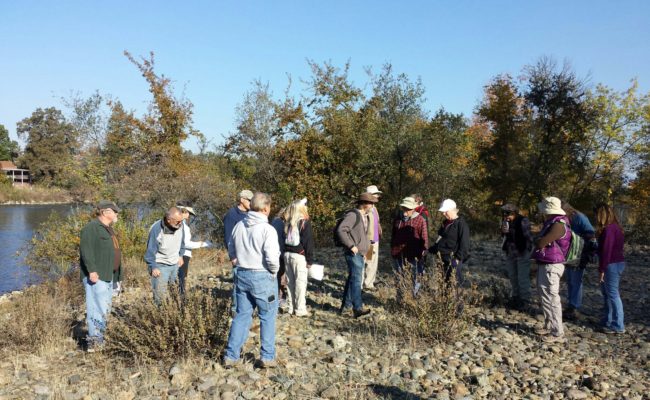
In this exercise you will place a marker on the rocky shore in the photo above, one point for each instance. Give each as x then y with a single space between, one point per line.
337 357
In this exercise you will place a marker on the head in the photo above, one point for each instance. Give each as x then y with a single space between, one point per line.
261 202
245 197
417 197
186 210
173 218
568 209
294 213
374 190
550 206
106 212
408 206
605 215
365 201
448 209
509 212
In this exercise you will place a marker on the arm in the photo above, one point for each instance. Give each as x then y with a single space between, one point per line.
462 253
345 227
87 245
425 237
525 227
227 228
232 252
189 244
557 231
307 241
152 247
271 250
605 244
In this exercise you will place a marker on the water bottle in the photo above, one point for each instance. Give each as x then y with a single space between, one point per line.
505 226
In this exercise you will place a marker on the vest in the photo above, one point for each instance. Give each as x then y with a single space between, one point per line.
555 252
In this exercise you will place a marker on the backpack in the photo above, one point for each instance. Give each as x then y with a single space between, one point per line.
575 248
335 235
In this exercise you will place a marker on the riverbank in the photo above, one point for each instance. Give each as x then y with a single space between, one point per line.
337 357
33 195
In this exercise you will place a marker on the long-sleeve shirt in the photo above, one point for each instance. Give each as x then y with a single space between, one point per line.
189 244
254 244
306 245
232 217
410 238
610 246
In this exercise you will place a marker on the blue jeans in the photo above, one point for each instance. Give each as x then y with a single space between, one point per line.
99 296
168 275
574 286
352 291
417 270
613 306
254 289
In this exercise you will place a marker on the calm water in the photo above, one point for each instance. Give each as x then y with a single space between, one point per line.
17 225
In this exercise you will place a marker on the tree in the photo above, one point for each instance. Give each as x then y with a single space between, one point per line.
8 147
51 145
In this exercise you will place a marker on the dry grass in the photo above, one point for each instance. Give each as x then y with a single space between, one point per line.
33 194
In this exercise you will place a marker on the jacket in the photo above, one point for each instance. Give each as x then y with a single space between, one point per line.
306 245
454 238
97 254
254 243
410 238
351 235
158 250
232 217
518 236
610 246
553 250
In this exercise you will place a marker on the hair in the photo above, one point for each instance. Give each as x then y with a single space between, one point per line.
293 214
171 211
568 208
605 215
417 197
260 201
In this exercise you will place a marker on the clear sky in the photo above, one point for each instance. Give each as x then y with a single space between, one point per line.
213 50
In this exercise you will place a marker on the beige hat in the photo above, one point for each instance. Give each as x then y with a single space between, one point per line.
447 205
409 202
245 194
367 198
373 189
551 206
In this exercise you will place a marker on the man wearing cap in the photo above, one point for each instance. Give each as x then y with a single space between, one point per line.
550 252
353 234
101 266
409 241
453 241
233 216
517 244
190 245
374 234
165 248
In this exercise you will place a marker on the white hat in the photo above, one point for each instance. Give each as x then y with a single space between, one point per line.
303 201
447 205
246 194
373 189
409 203
190 210
551 206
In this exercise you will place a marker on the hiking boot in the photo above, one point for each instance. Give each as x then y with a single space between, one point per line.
229 362
303 314
268 363
554 339
542 331
360 313
513 302
570 313
94 347
610 331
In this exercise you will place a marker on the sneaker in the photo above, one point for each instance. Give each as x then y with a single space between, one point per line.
610 331
554 339
95 347
268 363
229 362
542 331
360 312
303 314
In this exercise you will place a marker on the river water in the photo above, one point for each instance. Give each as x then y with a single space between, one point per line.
17 225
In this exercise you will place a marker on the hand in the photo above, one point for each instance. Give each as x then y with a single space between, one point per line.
155 273
233 262
602 277
180 261
93 277
354 250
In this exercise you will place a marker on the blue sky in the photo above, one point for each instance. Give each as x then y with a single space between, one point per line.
213 50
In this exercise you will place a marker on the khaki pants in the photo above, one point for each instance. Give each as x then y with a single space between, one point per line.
548 287
370 271
296 266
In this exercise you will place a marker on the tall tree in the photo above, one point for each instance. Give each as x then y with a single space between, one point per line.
8 147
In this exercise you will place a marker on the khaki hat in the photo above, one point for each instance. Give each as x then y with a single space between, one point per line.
447 205
551 206
367 198
246 194
409 203
104 204
373 189
510 208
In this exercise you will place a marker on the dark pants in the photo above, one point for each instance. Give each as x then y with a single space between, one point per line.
352 291
182 273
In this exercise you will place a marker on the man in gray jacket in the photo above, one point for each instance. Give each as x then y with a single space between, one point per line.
353 234
254 250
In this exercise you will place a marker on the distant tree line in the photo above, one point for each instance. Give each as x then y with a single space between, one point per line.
547 132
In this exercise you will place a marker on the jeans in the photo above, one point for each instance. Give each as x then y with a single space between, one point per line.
574 286
182 273
613 306
518 268
254 289
352 291
548 286
168 275
99 296
417 270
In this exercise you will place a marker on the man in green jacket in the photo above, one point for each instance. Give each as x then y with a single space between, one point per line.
101 265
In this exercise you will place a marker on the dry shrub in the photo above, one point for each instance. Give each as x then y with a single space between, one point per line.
42 317
498 292
181 327
440 311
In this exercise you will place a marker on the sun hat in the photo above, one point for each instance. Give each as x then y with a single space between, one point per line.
409 202
104 204
366 198
447 205
246 194
551 206
373 189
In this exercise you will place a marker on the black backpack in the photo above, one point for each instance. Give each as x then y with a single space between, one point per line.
335 235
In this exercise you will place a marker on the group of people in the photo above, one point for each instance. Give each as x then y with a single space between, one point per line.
271 258
549 250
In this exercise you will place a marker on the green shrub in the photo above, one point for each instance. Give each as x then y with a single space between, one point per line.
181 327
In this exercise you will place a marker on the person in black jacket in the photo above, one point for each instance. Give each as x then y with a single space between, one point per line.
298 255
453 241
517 244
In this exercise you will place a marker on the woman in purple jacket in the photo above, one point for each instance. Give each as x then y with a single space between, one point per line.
611 266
